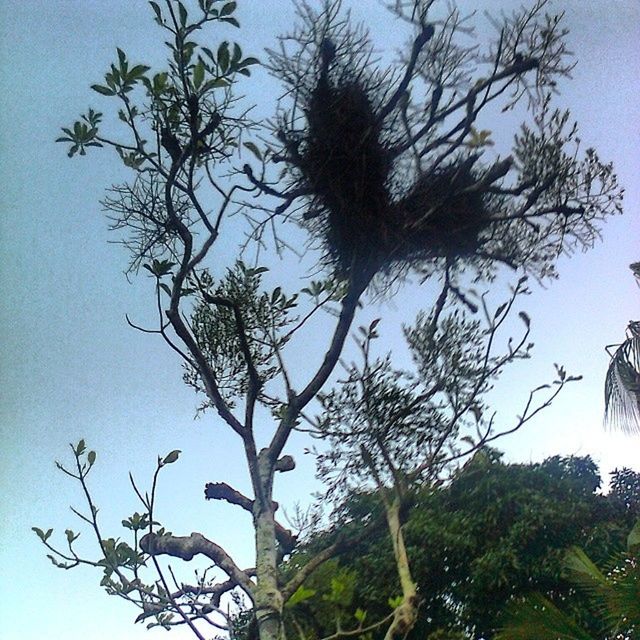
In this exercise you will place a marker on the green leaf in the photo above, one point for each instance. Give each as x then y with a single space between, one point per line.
80 448
105 91
115 75
254 149
165 287
228 9
91 457
360 615
122 59
480 138
137 72
183 14
214 83
525 318
223 56
232 21
172 457
53 560
237 54
71 536
160 81
198 74
300 595
499 310
156 9
394 603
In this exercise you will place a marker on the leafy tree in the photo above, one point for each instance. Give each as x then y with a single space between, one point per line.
625 487
491 533
385 174
404 429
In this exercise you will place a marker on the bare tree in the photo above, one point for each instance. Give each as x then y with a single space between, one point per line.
385 173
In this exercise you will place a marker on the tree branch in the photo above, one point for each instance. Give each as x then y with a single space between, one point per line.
331 357
216 591
420 41
186 547
222 491
298 579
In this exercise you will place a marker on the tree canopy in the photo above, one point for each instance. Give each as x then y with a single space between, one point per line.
493 533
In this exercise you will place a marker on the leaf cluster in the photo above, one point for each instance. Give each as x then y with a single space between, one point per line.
221 337
177 111
126 569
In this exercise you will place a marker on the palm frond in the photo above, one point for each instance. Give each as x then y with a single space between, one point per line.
622 385
623 603
537 618
633 539
635 268
583 570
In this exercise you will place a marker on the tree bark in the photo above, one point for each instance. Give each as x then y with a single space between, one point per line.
406 614
268 599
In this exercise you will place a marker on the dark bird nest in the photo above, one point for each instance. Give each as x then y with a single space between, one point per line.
345 164
346 167
443 216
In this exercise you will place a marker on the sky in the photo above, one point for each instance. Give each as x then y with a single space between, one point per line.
71 368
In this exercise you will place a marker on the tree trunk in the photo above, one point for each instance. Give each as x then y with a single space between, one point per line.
268 596
407 613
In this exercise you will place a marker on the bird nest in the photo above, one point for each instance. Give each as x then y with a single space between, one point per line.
346 168
443 216
345 164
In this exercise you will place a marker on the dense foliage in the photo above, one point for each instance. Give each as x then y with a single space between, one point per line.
495 531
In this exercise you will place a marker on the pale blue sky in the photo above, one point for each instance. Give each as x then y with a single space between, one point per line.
71 368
